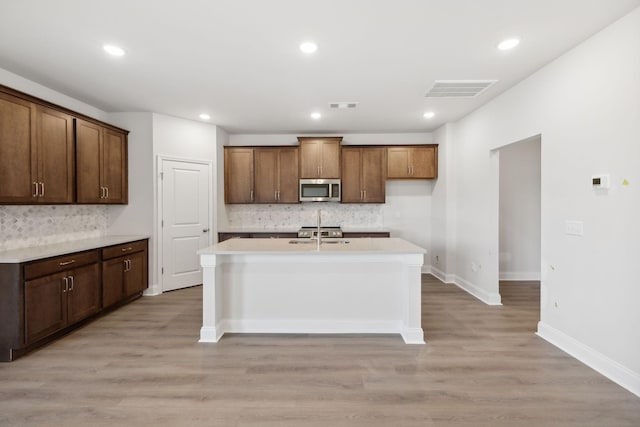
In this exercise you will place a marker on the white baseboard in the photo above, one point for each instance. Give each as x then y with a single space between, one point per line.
481 294
441 275
152 290
592 358
520 275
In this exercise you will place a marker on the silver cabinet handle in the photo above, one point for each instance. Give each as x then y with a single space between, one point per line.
35 189
318 170
364 194
125 265
251 195
107 190
66 284
42 189
127 249
72 283
278 195
63 263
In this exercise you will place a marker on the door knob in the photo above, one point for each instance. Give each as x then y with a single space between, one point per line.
205 230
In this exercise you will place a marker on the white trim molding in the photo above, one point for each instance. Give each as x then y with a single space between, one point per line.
441 275
520 275
481 294
592 358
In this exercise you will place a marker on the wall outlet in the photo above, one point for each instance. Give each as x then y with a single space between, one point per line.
574 228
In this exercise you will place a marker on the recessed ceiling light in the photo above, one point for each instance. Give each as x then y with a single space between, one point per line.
308 47
205 116
316 116
508 44
429 115
113 50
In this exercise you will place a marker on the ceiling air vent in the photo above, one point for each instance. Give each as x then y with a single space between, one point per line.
458 88
343 105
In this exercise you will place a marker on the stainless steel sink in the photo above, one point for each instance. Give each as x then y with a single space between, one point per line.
301 241
312 241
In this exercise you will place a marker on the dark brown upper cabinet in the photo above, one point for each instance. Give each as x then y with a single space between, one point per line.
101 156
412 162
36 147
276 175
319 157
363 174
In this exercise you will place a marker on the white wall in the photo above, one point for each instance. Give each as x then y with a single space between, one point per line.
586 107
519 194
21 84
348 139
442 256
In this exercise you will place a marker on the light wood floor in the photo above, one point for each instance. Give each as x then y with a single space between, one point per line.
482 366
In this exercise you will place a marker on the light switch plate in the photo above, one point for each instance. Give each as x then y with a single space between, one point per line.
574 228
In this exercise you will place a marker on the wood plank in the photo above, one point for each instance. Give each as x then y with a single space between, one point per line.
482 366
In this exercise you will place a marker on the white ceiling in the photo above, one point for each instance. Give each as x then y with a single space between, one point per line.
239 61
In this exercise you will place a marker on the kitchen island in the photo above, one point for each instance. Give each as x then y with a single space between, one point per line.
366 285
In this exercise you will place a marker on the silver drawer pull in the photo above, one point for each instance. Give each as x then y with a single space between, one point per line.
61 264
126 249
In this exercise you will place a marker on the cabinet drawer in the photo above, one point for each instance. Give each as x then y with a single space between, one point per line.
123 249
61 263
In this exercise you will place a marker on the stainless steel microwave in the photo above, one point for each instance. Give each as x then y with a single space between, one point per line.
320 190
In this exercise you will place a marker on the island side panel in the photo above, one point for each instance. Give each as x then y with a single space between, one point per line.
412 331
211 330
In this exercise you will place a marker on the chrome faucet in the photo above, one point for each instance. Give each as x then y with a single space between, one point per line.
318 232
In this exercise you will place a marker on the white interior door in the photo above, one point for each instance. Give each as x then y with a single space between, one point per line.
185 222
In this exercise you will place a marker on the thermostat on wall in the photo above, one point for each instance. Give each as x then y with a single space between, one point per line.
600 181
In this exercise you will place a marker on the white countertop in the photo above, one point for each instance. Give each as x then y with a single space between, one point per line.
389 245
15 256
295 230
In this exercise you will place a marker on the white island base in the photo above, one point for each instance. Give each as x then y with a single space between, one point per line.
272 286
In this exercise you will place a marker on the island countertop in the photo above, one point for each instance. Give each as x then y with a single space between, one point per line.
373 245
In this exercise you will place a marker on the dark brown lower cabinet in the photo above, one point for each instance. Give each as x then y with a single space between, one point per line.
59 300
125 275
43 299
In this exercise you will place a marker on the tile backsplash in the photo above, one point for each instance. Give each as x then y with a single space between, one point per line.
293 216
34 225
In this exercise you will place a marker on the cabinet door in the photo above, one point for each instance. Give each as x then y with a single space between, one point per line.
310 159
423 162
351 175
83 298
135 275
18 168
398 162
114 167
54 131
112 281
266 175
330 159
288 175
45 306
88 162
373 177
238 177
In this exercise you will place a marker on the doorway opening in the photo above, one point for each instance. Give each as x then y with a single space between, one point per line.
520 228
